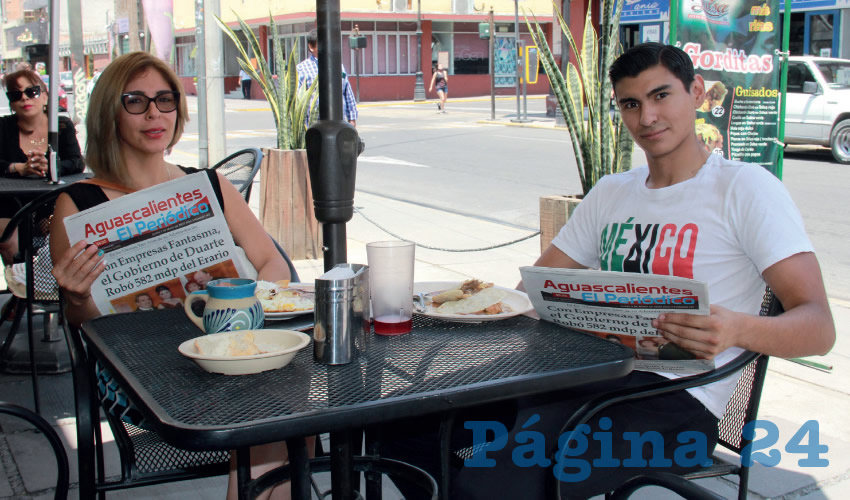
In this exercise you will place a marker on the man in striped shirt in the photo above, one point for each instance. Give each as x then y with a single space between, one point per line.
308 69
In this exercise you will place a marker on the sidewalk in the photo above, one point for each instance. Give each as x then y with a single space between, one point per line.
793 394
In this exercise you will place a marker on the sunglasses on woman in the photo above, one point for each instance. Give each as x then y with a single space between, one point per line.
17 95
137 103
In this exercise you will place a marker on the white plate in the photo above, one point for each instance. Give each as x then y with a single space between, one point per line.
277 316
516 300
281 344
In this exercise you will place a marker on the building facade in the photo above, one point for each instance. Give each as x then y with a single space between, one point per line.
385 69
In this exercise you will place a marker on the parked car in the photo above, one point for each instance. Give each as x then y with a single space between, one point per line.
817 109
66 80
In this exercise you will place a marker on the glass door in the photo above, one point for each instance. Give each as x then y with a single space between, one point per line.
822 29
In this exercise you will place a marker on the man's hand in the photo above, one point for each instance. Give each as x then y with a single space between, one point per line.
705 336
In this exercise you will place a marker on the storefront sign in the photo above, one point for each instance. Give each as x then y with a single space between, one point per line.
27 34
644 10
732 45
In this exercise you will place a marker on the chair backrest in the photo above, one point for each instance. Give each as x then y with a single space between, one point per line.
63 476
743 405
240 168
33 223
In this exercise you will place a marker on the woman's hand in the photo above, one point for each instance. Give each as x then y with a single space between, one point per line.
37 163
76 270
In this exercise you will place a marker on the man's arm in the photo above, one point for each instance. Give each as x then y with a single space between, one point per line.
349 103
554 257
806 328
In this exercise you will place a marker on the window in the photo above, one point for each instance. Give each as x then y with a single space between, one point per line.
386 53
186 53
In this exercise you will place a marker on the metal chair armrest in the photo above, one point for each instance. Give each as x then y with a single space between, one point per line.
672 482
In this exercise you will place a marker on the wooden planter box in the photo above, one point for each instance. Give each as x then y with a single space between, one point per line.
554 212
286 203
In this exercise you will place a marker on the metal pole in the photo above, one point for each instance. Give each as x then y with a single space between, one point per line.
357 71
330 60
524 88
214 83
518 73
492 65
53 94
203 141
419 84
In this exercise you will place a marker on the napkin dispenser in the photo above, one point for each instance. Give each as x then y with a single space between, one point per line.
341 314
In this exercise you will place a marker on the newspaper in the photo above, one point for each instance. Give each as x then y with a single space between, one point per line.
620 307
160 244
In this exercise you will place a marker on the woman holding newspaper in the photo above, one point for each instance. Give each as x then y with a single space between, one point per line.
141 111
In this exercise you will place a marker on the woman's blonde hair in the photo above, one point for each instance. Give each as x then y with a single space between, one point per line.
103 146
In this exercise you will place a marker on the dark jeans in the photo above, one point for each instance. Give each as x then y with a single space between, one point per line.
416 441
246 89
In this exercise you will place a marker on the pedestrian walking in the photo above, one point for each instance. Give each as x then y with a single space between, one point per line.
308 69
245 78
441 81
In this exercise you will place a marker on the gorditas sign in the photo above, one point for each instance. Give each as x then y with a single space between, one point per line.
732 44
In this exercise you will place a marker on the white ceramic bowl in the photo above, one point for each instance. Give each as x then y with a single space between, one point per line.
282 345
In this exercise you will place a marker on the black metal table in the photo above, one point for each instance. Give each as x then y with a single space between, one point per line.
28 188
440 366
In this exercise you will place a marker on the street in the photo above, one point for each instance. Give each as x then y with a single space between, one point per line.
454 163
496 172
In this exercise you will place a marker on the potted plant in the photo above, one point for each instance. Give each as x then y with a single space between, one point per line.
286 200
601 143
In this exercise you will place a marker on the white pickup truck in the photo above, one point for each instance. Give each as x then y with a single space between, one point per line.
817 108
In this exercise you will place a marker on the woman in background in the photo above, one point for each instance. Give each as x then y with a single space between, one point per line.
441 81
23 143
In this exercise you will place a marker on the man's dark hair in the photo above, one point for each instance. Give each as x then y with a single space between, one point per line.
161 288
139 296
313 38
646 55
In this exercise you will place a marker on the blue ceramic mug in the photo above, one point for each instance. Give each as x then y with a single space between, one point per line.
230 305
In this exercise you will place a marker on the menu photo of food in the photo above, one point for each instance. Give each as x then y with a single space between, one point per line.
715 94
166 295
710 135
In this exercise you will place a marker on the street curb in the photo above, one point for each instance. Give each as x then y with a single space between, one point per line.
381 104
521 125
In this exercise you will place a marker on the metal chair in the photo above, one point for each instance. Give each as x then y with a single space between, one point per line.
741 409
41 294
145 458
677 484
240 168
39 423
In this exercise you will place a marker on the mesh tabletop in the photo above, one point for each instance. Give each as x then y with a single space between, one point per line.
439 366
32 187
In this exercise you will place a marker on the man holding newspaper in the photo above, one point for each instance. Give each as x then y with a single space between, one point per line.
725 225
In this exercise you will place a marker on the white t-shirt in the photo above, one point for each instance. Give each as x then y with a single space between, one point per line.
724 226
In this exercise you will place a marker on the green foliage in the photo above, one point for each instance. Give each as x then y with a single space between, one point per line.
290 105
601 142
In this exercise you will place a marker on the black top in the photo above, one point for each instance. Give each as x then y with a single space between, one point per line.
70 157
86 196
437 367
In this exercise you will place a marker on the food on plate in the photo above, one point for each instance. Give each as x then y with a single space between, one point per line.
470 297
280 297
463 291
487 301
239 344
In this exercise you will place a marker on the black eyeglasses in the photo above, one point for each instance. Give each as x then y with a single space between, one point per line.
17 95
137 103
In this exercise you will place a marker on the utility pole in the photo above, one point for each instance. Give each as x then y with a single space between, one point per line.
212 141
492 65
419 85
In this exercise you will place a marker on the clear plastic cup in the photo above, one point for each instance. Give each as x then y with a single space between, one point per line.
391 285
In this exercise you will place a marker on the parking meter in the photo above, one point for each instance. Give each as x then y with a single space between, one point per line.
332 150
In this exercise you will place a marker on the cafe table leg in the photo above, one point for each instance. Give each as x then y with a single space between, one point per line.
243 472
373 479
341 466
299 466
